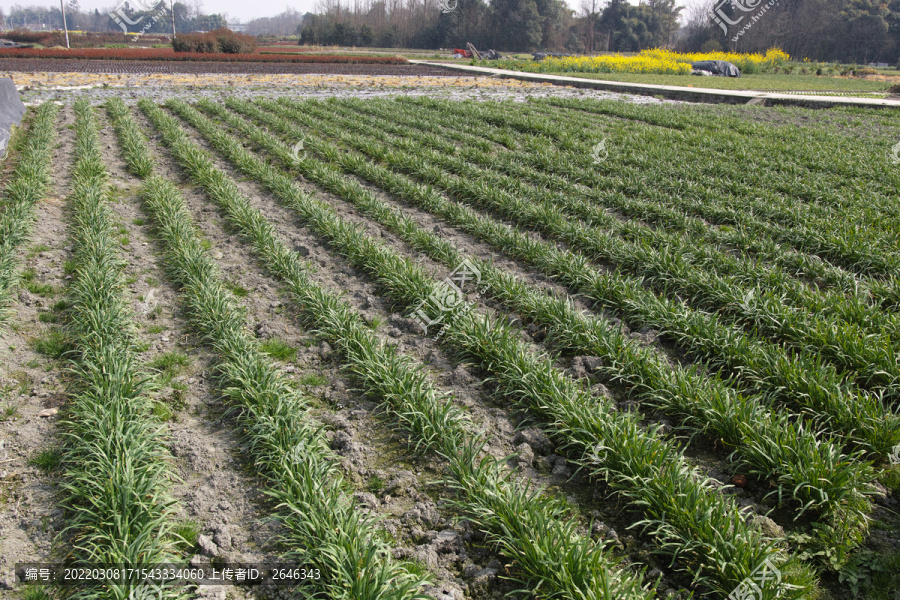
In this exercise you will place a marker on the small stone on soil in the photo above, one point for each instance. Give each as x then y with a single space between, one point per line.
536 440
207 546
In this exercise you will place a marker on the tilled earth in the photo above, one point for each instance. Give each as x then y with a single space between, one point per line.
75 65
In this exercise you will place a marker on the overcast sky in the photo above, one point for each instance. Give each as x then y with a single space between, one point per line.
237 10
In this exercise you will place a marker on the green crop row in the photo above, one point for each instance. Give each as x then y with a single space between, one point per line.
812 165
836 237
557 173
770 443
871 357
789 199
529 162
528 528
289 447
800 380
27 185
117 469
612 445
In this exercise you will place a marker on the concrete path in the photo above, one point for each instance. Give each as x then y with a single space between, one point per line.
686 94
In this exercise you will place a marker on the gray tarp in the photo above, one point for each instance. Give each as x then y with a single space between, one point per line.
717 67
11 110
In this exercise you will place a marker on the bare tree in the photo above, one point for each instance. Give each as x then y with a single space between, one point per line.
589 11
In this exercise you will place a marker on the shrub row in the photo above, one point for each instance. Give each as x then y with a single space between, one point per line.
219 40
80 40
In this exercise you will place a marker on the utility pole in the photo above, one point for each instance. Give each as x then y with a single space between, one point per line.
65 25
172 4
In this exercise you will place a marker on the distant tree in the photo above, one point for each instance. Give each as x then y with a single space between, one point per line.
555 15
867 28
315 30
516 25
590 10
575 42
184 23
465 23
387 39
698 28
893 21
366 36
711 45
664 21
282 24
208 23
626 26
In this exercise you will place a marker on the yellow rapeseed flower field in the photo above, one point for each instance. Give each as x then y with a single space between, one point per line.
656 61
615 64
747 63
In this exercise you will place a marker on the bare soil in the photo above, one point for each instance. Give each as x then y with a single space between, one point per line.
70 65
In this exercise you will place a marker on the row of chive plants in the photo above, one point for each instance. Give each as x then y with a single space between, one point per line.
839 238
853 232
705 251
540 165
609 190
818 151
872 358
117 470
611 445
812 165
802 379
325 530
27 185
613 183
775 283
762 438
794 198
528 528
867 353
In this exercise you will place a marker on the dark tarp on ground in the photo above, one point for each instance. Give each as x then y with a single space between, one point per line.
717 67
